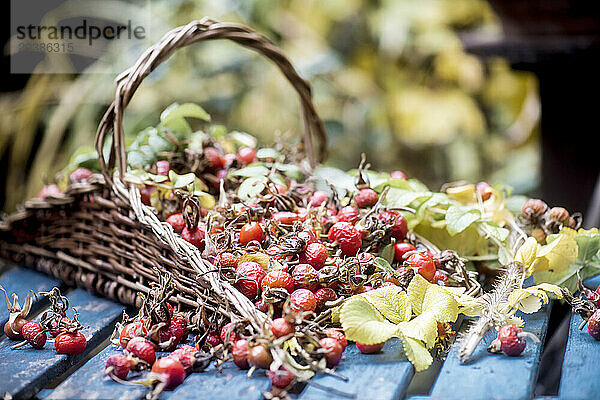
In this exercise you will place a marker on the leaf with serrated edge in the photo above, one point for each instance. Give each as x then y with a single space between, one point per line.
460 218
416 293
423 328
416 353
440 303
363 323
391 302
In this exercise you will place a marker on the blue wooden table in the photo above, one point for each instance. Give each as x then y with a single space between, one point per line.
27 373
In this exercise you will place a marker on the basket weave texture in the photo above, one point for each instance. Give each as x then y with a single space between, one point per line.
100 236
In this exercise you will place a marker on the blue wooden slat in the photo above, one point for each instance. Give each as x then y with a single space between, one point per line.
89 382
580 378
20 280
593 282
23 372
380 376
232 384
494 376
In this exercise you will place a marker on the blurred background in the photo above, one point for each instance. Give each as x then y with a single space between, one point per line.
444 90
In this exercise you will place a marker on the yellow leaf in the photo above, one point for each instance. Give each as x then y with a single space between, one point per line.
464 194
260 258
416 293
416 353
363 323
441 303
391 302
423 328
524 301
527 253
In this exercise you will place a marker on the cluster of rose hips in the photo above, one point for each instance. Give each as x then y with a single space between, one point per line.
141 337
66 331
539 220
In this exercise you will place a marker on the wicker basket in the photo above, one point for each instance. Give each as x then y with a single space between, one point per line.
100 236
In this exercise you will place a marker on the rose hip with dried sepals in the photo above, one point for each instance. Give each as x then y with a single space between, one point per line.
593 325
249 277
17 315
250 232
142 349
239 353
396 222
131 330
34 335
323 295
278 279
14 331
282 378
318 198
424 264
305 277
176 221
348 237
303 300
260 356
228 329
333 351
348 214
213 158
246 155
118 365
171 370
281 327
71 343
195 235
314 254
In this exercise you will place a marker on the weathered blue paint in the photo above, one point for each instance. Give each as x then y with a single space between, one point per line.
593 282
381 376
23 372
231 383
90 382
19 281
580 378
494 376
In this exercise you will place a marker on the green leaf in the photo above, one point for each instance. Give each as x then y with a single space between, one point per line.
402 184
589 245
181 181
252 187
460 218
344 183
217 131
160 144
498 233
363 323
251 171
267 153
186 110
290 170
142 158
402 198
388 253
243 139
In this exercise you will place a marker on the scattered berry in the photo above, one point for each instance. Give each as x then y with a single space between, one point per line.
118 365
195 235
177 222
398 175
314 254
162 168
424 264
32 332
593 325
213 339
323 295
366 197
132 330
260 356
170 336
369 348
348 214
213 158
510 342
282 378
285 217
337 335
246 155
440 278
305 277
396 222
278 279
80 175
228 260
333 351
70 343
14 332
185 355
318 198
249 277
250 232
232 336
303 300
172 371
348 237
56 330
281 327
142 349
240 354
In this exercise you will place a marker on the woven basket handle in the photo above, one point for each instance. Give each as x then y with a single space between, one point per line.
195 31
